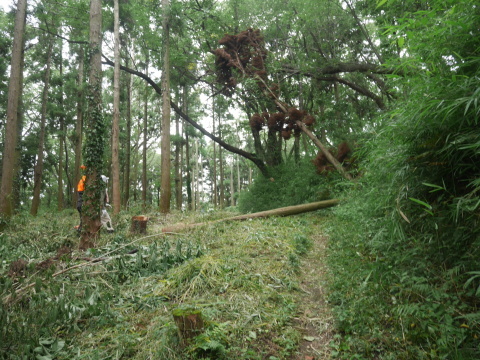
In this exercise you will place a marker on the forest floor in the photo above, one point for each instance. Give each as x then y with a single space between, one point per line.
314 319
260 285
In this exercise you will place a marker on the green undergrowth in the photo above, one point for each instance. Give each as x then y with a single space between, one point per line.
290 184
394 299
241 276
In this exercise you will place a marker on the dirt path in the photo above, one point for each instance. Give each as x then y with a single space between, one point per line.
314 319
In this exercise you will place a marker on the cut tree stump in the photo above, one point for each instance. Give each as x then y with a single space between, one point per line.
189 323
139 225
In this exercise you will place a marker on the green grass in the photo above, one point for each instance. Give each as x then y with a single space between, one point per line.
241 276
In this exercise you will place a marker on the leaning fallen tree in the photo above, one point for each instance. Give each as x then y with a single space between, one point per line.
284 211
243 56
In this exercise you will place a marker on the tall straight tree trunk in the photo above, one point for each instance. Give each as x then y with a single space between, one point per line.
38 171
16 194
196 177
14 86
188 177
215 188
95 132
181 172
136 160
61 140
238 174
222 171
232 202
199 178
116 115
126 180
78 125
338 114
178 168
188 170
144 152
166 190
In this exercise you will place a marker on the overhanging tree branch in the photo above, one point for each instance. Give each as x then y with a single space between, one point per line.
343 67
250 156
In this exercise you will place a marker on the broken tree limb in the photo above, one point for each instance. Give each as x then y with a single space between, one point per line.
331 159
324 150
284 211
249 156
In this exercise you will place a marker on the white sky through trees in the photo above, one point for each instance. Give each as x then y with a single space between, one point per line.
5 4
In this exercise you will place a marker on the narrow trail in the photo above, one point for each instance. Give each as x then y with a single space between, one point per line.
314 319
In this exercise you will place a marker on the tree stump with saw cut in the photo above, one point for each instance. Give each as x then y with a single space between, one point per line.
139 225
189 323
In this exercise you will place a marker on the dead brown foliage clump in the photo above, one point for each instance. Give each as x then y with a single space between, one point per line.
244 52
256 122
342 153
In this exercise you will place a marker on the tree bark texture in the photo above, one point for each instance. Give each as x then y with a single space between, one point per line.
165 186
78 124
178 168
17 171
189 324
126 180
116 198
61 141
14 86
38 169
145 140
95 141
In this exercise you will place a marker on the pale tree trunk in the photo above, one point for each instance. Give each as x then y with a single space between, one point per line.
144 150
181 172
232 202
215 188
188 166
126 180
116 115
199 179
14 86
61 140
165 187
178 169
196 175
238 174
136 160
95 139
78 125
296 143
222 171
188 175
38 170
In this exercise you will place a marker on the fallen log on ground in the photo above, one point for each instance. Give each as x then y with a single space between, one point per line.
284 211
